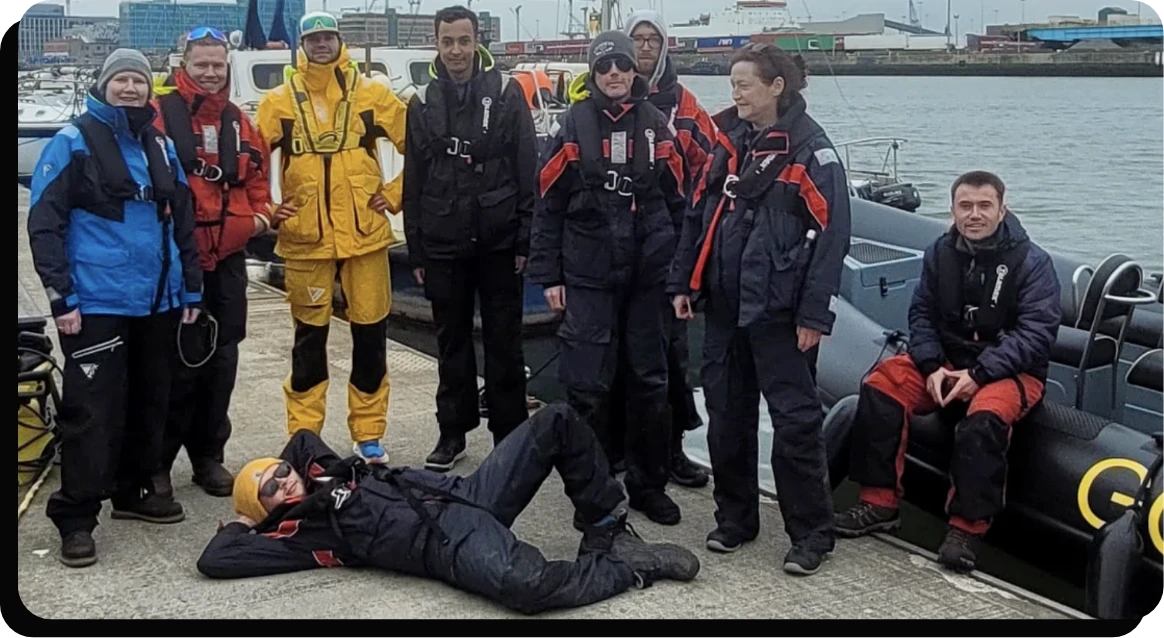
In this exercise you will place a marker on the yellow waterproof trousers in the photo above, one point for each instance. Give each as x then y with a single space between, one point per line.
367 289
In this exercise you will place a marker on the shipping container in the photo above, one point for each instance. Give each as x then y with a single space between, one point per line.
726 43
801 42
895 42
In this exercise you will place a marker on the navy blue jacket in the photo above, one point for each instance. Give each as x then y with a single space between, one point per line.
749 251
96 263
1029 328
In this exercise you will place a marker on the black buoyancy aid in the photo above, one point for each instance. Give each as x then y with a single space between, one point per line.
488 105
231 145
118 186
1000 272
636 177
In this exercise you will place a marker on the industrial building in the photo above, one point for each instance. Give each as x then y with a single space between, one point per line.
46 22
154 26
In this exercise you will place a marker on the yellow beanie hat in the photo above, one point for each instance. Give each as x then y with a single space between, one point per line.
246 489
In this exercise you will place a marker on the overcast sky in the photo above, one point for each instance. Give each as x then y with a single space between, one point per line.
538 17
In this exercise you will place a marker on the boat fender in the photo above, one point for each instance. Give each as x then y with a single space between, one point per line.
1114 557
837 431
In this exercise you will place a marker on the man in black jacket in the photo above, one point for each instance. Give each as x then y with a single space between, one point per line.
317 510
469 172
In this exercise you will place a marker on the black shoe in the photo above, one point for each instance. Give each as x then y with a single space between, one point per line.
657 506
803 561
650 561
725 542
162 485
214 479
618 467
864 518
78 549
685 472
958 550
449 450
152 509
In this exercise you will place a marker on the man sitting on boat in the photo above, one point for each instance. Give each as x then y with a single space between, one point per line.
226 163
324 120
314 509
983 319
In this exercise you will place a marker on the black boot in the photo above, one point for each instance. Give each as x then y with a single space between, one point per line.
78 549
149 507
162 485
650 561
449 450
958 551
214 479
657 506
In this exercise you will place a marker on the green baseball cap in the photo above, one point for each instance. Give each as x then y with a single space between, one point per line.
317 22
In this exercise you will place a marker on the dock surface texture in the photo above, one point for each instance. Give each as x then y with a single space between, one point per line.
148 571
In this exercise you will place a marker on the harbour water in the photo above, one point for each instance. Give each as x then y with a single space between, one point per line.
1083 160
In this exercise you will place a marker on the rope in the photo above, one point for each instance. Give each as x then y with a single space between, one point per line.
32 491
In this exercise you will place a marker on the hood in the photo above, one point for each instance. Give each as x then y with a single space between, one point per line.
317 76
1010 233
582 88
483 61
654 19
129 120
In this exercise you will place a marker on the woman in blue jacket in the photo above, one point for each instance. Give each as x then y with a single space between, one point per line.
112 236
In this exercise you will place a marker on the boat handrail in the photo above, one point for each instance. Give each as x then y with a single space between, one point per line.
893 142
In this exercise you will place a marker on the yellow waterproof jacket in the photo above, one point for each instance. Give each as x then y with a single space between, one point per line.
329 173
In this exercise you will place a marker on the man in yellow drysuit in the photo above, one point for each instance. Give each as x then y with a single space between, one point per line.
325 118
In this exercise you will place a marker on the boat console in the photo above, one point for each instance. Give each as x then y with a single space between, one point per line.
879 279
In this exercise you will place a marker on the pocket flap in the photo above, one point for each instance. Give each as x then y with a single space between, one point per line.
496 196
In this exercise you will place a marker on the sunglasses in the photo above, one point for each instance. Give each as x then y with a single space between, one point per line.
271 486
603 66
199 33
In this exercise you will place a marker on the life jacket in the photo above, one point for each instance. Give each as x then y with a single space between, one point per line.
116 184
232 152
488 143
306 137
770 155
636 178
985 317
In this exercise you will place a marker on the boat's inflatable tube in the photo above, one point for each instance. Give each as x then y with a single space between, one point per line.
1113 557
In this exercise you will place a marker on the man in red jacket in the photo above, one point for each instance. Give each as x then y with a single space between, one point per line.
225 162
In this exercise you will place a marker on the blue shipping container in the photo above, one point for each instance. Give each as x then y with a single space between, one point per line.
726 42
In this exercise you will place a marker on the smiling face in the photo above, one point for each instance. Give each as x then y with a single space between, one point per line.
456 45
755 99
127 89
322 48
977 210
206 64
279 484
614 76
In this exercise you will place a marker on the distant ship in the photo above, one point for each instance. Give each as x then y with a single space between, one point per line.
745 17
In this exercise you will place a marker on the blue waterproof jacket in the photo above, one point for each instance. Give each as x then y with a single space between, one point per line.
98 249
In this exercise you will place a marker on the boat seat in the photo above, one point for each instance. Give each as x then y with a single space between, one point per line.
1071 345
1148 371
1143 408
1112 292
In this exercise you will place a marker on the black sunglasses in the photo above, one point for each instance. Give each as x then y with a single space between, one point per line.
271 487
603 66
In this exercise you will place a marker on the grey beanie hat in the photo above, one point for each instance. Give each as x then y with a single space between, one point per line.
125 60
610 43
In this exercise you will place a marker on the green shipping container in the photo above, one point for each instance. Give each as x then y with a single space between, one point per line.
795 43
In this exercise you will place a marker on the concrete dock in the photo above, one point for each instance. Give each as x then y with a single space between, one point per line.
147 571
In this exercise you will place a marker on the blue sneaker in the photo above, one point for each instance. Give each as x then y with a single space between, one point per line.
371 452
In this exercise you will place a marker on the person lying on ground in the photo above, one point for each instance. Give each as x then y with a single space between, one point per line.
310 508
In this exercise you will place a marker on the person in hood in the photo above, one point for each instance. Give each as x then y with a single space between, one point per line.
111 230
324 120
470 171
980 340
603 240
309 508
762 252
695 134
226 163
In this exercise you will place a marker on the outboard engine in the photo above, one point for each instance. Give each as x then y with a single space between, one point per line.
903 196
